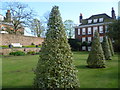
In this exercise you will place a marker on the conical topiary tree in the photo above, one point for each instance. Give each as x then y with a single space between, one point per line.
55 67
106 48
111 46
96 57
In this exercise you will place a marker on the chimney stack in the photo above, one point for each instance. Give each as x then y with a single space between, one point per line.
113 13
8 11
8 16
81 17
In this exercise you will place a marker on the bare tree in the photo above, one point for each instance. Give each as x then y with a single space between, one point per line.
69 28
21 15
46 16
37 27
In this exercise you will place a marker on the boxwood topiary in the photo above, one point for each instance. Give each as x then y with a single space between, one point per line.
55 67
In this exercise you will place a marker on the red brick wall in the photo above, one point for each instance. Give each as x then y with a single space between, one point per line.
6 39
87 35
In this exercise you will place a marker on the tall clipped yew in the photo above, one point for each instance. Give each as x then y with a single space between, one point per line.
55 67
96 57
106 48
111 46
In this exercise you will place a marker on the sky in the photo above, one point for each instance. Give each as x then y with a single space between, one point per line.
72 9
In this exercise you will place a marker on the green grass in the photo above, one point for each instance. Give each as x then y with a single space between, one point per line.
18 72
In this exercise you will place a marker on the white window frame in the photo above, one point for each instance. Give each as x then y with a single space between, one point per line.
83 31
83 47
89 48
83 39
100 19
90 21
78 31
101 38
89 30
89 39
95 29
95 20
106 28
100 29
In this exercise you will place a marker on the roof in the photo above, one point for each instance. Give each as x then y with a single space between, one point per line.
89 25
105 17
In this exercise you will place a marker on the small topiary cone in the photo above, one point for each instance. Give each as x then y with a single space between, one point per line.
96 57
111 46
106 49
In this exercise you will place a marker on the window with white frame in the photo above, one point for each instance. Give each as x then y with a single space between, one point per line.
95 29
89 48
89 39
78 31
83 31
83 39
106 28
101 38
90 21
100 29
89 30
95 20
83 47
100 19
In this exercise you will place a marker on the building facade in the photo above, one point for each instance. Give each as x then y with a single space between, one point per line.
85 31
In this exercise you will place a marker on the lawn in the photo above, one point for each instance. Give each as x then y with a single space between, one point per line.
18 72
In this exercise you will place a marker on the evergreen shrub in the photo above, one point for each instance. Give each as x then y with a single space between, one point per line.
75 44
111 46
31 52
96 58
17 53
106 48
55 67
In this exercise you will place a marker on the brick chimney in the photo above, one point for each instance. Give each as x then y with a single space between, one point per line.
80 17
8 16
113 13
8 11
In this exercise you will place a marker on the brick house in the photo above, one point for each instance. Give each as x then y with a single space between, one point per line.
85 31
6 25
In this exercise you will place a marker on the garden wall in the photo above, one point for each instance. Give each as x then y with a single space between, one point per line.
6 51
6 39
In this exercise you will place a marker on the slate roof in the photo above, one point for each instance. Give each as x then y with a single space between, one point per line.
105 17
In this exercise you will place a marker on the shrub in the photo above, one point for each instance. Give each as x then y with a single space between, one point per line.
75 44
29 46
32 44
55 67
31 52
111 46
17 53
85 43
106 48
37 53
4 46
96 58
